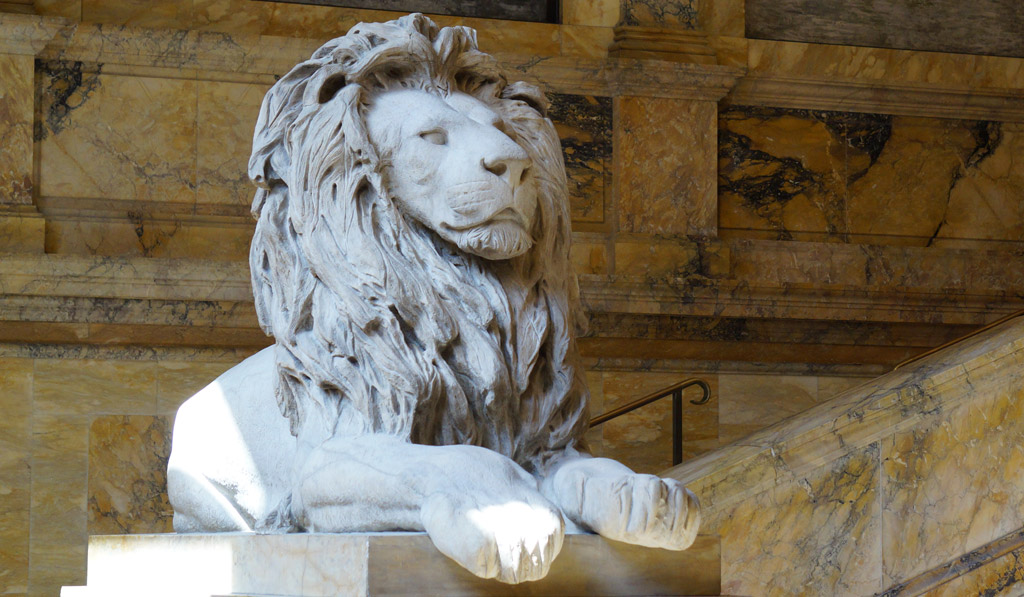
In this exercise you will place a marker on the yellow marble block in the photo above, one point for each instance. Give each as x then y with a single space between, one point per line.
21 230
954 482
665 153
644 257
128 475
226 115
117 137
601 13
1003 577
174 14
15 473
92 387
16 108
916 167
817 535
58 542
985 203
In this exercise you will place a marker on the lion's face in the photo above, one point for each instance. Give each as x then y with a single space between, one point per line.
452 166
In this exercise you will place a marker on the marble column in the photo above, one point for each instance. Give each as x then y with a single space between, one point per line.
666 145
21 37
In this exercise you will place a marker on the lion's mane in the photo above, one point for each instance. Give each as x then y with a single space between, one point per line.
380 325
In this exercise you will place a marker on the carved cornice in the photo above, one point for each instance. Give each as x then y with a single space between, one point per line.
749 287
908 99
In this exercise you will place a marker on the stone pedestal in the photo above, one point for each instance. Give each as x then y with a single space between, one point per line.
375 564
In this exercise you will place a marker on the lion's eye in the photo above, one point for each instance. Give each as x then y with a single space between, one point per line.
436 137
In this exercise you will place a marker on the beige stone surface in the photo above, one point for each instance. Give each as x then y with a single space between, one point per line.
57 545
178 380
665 165
16 116
71 387
15 473
128 475
748 403
379 564
953 483
126 138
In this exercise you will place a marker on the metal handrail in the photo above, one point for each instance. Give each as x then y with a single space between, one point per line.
984 328
674 390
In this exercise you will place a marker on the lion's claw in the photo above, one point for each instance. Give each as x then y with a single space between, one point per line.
641 509
508 540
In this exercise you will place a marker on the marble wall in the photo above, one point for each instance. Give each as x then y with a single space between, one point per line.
84 444
869 178
785 220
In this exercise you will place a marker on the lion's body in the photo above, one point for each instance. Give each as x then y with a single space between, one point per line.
411 260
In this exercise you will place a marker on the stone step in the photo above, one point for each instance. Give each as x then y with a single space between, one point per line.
375 564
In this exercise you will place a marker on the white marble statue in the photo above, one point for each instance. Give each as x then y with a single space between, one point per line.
411 259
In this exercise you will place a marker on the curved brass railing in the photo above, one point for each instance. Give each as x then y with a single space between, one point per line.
674 390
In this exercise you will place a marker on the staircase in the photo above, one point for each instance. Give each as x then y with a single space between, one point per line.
910 484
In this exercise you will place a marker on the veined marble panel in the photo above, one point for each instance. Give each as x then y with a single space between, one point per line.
225 117
584 124
116 137
663 189
83 388
1003 577
16 108
817 175
128 475
954 482
15 473
783 542
660 13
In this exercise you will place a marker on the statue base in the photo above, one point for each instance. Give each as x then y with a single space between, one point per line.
376 564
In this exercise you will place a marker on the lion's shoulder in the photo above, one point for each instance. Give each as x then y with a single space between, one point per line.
232 434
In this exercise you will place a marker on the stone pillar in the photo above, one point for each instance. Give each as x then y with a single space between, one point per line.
666 137
21 37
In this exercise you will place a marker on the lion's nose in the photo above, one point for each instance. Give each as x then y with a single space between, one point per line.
512 170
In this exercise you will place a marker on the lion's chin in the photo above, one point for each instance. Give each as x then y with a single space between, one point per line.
494 240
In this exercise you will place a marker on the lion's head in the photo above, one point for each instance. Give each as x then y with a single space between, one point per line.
411 250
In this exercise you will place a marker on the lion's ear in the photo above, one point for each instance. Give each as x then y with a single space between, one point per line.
530 94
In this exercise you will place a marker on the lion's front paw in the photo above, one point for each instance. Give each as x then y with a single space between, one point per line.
512 540
641 509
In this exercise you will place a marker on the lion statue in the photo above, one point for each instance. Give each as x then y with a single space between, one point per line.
411 261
